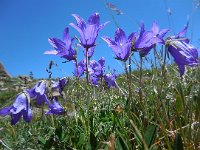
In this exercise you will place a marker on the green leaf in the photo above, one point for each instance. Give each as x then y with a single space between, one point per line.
123 143
150 135
41 140
178 144
58 132
81 139
49 142
93 141
179 104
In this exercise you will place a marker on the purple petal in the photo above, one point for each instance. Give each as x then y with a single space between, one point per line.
181 69
109 41
183 31
155 29
80 21
145 51
57 44
110 79
94 19
15 118
5 111
103 25
80 32
69 54
60 84
131 37
94 80
19 104
27 115
67 39
90 50
163 32
55 108
120 37
90 33
40 87
81 68
40 99
102 61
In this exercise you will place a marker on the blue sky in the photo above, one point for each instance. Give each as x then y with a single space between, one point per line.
25 26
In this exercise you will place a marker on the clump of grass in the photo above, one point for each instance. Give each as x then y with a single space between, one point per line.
165 119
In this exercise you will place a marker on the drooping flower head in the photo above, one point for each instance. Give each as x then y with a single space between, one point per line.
110 79
39 92
121 46
97 68
90 51
79 68
59 85
182 52
88 31
21 107
55 108
146 39
63 48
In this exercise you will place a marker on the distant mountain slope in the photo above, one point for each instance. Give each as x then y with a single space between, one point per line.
3 72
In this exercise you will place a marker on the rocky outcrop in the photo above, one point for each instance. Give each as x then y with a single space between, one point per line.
3 72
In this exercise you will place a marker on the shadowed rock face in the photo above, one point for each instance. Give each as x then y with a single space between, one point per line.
3 72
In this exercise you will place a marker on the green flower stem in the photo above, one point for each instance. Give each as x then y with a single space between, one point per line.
87 72
140 80
129 86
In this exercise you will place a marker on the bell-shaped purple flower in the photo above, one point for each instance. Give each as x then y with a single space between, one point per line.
79 68
38 91
156 35
97 68
110 79
88 31
90 51
146 39
121 46
60 84
182 52
21 107
94 80
55 108
63 48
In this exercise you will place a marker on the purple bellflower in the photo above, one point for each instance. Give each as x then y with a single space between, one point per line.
21 107
96 70
60 84
182 52
145 40
121 46
62 48
79 68
39 92
110 79
88 31
55 108
94 80
90 51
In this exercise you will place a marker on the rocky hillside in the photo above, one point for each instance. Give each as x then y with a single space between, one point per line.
3 72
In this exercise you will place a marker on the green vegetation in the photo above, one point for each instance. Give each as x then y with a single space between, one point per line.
166 116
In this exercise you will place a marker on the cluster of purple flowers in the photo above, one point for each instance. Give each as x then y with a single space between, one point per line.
143 41
88 35
123 47
96 72
22 104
